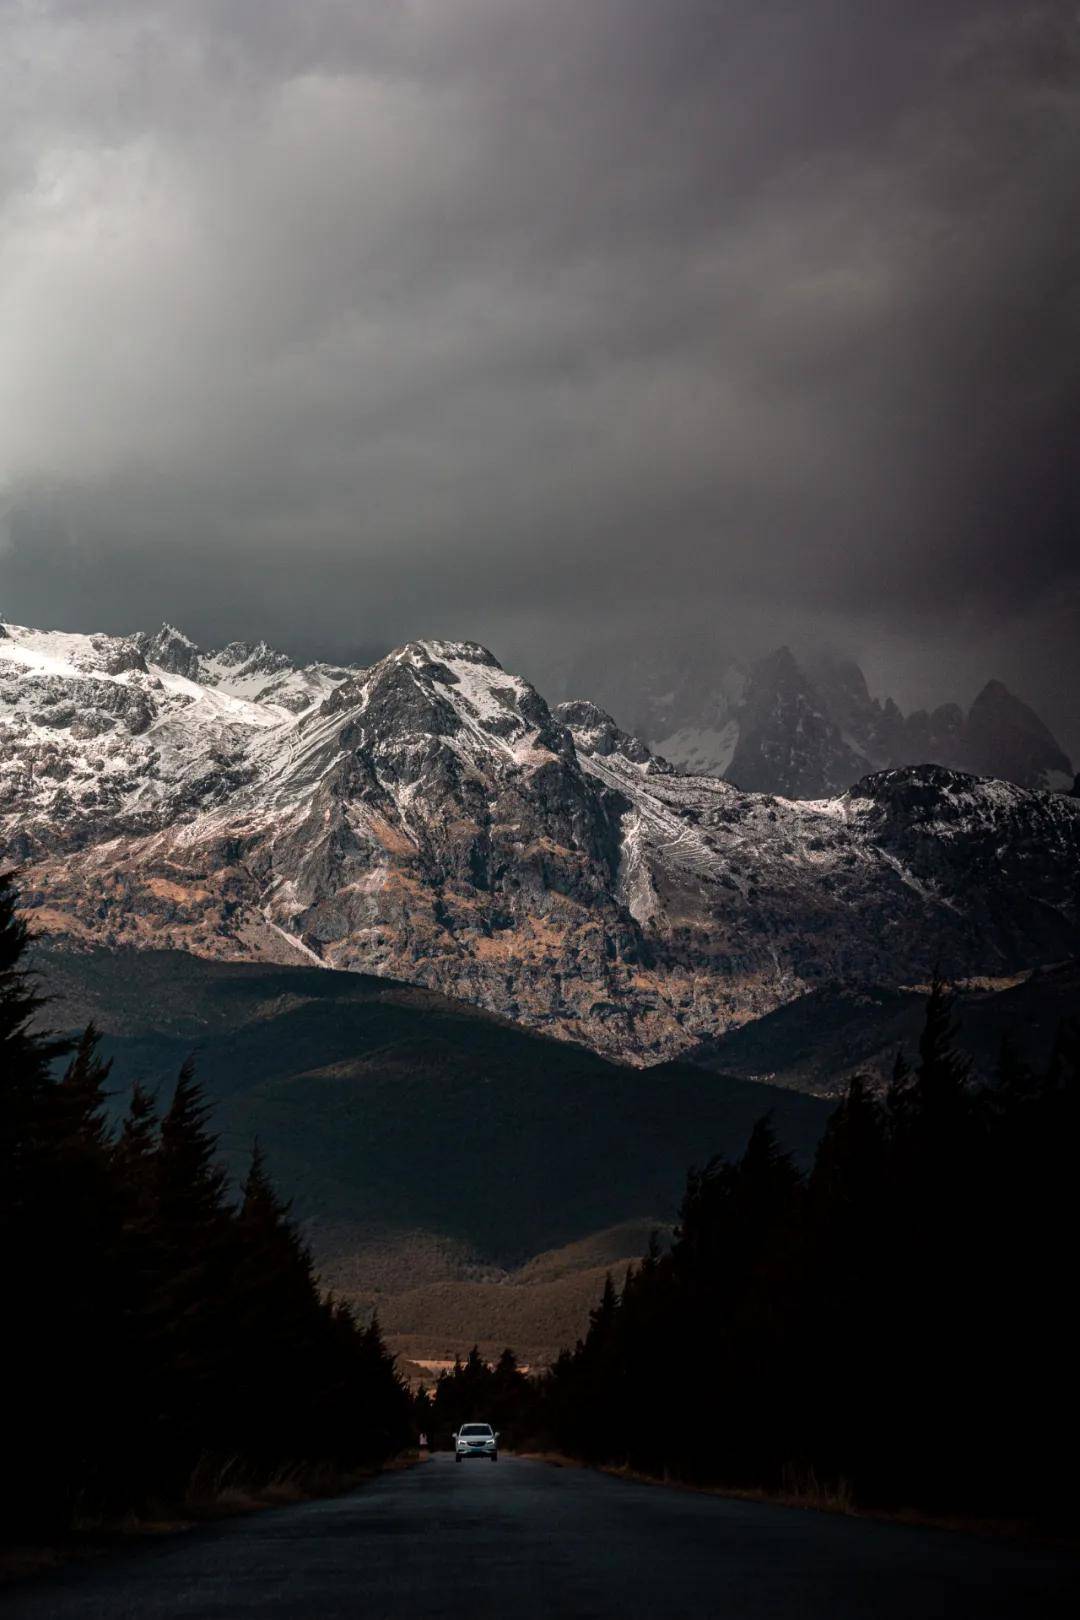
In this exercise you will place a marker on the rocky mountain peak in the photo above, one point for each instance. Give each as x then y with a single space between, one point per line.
455 694
171 650
995 704
779 668
788 743
448 652
253 657
1005 737
993 692
843 675
596 734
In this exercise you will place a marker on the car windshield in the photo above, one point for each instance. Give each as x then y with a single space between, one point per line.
477 1428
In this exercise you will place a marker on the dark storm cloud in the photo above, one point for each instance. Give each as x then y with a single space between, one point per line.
351 321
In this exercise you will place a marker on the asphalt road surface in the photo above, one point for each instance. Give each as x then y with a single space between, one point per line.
522 1540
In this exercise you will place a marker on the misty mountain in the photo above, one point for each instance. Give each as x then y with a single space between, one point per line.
809 728
431 819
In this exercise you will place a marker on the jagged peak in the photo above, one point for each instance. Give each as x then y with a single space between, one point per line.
441 651
780 662
595 733
841 670
170 632
443 664
582 713
999 720
993 689
170 649
450 689
258 656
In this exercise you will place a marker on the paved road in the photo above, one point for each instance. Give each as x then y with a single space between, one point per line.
522 1540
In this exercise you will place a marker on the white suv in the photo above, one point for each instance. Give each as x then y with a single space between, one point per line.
476 1440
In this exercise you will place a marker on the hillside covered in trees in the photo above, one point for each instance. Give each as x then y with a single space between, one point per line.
162 1333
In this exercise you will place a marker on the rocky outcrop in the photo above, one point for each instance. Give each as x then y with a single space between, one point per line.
596 733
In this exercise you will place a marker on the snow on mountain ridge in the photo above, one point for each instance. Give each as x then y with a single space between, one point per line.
431 818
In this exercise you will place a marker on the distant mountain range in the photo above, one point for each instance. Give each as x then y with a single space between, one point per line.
431 819
808 729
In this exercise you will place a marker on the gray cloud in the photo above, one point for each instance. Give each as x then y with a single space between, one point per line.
353 320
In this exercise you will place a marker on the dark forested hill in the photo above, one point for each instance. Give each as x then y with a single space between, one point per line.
819 1042
383 1108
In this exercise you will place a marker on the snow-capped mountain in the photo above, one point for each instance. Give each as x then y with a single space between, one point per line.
810 728
430 818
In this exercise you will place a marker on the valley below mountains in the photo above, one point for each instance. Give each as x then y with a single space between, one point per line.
470 1180
431 819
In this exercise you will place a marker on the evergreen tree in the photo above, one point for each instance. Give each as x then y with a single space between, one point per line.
840 1300
943 1073
26 1054
277 1324
136 1440
899 1094
26 1059
83 1227
194 1301
137 1144
509 1411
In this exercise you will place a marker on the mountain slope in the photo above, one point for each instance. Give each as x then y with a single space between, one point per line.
819 1042
386 1109
430 819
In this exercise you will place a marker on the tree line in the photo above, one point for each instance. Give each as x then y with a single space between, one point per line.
160 1330
472 1390
896 1326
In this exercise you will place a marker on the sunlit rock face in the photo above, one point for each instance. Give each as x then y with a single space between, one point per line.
431 819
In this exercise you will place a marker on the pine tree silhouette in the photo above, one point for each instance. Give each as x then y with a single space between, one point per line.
194 1300
26 1059
277 1325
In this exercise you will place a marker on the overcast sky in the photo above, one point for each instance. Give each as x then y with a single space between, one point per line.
344 321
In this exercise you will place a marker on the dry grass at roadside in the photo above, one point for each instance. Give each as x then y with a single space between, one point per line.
805 1491
221 1491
